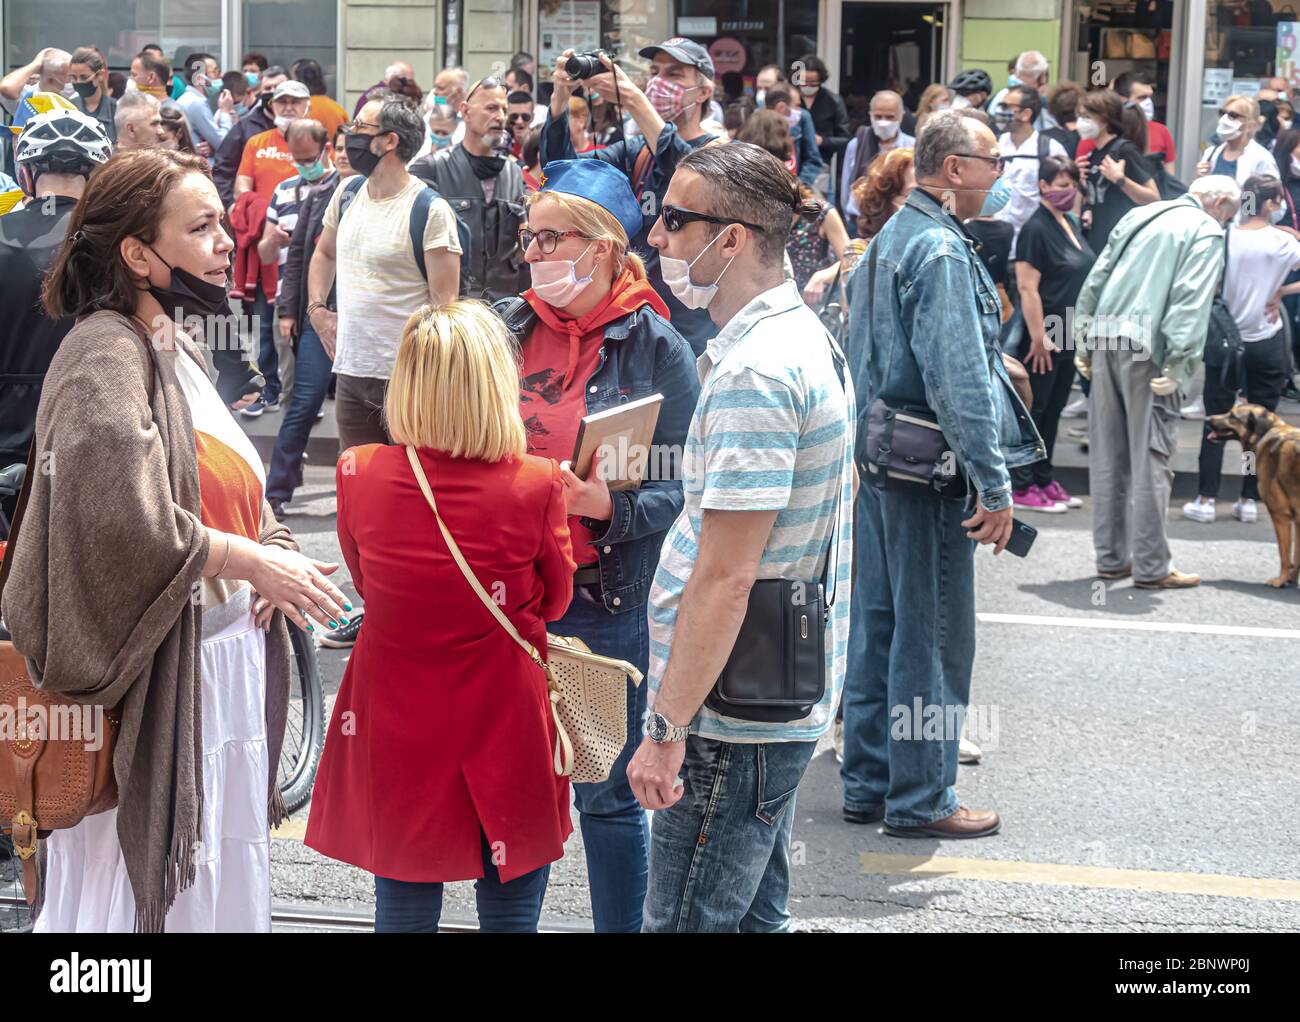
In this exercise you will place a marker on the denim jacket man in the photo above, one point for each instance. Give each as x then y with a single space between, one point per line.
926 335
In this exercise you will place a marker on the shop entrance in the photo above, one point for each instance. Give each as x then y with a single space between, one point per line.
889 46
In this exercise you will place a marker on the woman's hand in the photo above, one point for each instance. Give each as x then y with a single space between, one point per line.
1085 166
295 584
263 611
816 286
590 498
1040 355
1202 168
1086 219
1112 169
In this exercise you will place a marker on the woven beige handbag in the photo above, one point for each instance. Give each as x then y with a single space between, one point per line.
588 691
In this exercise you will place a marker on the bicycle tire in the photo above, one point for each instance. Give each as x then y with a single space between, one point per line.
304 738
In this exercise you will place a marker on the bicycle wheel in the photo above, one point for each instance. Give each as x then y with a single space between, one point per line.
304 731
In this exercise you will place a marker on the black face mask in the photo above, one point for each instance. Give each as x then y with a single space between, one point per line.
189 295
85 89
360 157
485 167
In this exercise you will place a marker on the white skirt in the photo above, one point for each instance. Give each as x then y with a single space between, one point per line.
86 886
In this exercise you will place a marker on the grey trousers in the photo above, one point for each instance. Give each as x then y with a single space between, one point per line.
358 410
1131 437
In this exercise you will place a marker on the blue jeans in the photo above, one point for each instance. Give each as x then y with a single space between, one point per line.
310 382
720 856
912 642
615 829
514 907
268 359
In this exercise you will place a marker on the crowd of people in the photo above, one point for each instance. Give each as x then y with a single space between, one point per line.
470 272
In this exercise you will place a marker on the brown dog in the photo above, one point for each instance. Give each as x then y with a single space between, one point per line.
1276 446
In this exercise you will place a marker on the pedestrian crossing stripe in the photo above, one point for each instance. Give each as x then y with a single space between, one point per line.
1113 624
922 867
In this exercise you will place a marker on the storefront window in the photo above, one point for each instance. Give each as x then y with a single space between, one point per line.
289 30
1115 37
1246 44
119 28
744 37
620 27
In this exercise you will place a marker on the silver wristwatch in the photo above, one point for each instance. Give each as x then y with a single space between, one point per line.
661 730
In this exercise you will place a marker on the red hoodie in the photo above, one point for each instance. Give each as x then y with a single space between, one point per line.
560 356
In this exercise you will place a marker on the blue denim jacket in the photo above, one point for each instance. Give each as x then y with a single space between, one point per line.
642 355
935 343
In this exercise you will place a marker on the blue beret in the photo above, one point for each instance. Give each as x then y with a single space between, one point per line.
598 182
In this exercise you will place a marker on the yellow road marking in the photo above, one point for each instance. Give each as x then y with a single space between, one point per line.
1216 885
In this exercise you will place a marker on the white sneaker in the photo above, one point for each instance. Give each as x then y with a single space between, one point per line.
968 752
1246 511
1076 409
1199 510
1194 410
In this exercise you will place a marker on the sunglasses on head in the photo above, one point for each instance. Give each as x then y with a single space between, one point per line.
675 218
484 83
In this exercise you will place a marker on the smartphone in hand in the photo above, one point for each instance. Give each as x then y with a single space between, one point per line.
1022 538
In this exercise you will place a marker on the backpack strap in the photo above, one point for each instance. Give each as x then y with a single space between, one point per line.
419 221
350 190
517 314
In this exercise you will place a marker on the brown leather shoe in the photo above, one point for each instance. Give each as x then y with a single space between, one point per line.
1174 580
963 823
1123 572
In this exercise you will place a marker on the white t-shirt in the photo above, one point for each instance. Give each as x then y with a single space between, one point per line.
378 283
1258 263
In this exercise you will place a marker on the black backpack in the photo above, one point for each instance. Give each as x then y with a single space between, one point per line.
1224 348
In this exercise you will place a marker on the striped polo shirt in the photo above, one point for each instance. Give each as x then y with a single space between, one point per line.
772 432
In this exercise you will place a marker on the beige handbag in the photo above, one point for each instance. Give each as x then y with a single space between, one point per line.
588 692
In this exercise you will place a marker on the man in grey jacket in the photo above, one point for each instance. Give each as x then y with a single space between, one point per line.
486 189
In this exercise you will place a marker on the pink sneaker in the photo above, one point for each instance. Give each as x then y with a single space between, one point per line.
1055 491
1034 499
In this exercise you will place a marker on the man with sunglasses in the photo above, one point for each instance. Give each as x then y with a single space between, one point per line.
668 114
486 188
768 488
519 119
923 334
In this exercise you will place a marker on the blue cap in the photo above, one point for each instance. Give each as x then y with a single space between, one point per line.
598 182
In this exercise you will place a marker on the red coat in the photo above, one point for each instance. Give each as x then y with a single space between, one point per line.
442 725
248 220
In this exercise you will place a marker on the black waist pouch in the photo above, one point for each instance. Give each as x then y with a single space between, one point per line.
777 669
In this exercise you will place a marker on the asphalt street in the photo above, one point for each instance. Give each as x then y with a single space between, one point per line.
1141 748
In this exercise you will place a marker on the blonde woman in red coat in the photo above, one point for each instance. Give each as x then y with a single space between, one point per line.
438 760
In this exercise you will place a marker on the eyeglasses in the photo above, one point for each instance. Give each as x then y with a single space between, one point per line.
546 238
997 161
355 128
675 219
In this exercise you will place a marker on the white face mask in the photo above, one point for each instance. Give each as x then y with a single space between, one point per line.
1228 128
1148 109
884 129
556 282
677 275
809 91
1087 127
1295 166
283 123
960 103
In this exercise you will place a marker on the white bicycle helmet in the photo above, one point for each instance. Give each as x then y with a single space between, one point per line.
59 141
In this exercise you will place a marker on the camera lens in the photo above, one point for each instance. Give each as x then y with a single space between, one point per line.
583 65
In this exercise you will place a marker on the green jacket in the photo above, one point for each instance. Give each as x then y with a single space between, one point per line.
1157 298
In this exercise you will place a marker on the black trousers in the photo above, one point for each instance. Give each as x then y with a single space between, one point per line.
1265 371
1051 394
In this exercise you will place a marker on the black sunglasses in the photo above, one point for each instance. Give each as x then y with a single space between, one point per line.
675 219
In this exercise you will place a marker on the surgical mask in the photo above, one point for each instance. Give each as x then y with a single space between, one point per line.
360 157
283 123
794 118
885 130
251 78
1148 108
960 103
668 98
677 275
1276 216
214 88
1013 81
809 91
439 141
556 282
189 296
1087 127
1061 198
998 196
1228 128
84 89
312 171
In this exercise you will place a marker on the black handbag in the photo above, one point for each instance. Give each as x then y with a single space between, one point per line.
776 672
904 447
1224 348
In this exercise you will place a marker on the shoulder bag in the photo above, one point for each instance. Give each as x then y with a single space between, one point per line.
1224 348
588 692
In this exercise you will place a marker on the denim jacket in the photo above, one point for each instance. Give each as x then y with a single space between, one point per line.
642 355
934 343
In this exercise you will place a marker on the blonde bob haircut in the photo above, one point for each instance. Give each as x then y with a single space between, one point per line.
455 384
596 222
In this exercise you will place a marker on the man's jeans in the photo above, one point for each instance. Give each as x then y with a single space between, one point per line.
402 906
268 358
313 380
720 857
615 829
912 642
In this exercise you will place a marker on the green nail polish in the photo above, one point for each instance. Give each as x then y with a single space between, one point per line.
344 620
311 627
347 606
334 624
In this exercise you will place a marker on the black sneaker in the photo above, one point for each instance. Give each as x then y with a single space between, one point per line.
277 507
860 816
345 637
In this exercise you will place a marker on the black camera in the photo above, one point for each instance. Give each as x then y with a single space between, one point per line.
584 65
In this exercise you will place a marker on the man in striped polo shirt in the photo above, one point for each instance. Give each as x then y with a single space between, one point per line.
769 483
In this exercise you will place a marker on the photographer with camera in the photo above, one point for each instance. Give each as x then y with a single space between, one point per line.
668 114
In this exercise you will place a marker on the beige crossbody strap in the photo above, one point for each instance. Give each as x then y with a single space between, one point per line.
563 746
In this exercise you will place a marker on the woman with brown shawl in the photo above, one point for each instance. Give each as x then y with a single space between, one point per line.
150 576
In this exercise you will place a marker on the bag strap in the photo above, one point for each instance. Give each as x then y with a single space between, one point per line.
641 169
563 746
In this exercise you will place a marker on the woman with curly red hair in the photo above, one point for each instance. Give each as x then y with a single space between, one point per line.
882 191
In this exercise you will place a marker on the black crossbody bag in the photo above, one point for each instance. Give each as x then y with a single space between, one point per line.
776 672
